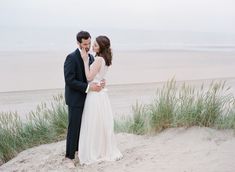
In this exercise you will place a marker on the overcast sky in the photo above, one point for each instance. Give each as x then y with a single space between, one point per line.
191 15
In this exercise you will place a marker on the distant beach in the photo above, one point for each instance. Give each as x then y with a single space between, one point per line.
36 70
34 77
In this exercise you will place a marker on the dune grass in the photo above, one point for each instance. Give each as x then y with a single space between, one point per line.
174 106
182 106
44 125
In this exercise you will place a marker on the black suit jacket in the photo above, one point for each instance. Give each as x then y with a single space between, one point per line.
75 79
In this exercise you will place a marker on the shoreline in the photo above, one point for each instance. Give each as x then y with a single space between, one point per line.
128 84
216 49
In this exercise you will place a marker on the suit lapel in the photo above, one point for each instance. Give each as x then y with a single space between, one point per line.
80 64
91 59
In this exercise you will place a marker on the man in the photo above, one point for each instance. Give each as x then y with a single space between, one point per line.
76 87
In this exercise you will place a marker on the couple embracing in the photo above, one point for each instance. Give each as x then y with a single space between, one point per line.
90 117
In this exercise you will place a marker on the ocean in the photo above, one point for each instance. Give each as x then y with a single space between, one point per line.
32 58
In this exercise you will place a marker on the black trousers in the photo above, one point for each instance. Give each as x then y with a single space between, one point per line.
75 117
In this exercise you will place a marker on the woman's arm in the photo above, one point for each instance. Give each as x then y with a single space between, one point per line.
93 69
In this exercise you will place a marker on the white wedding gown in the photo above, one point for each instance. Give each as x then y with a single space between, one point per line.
97 140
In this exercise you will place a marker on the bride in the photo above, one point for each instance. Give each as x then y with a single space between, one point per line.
97 140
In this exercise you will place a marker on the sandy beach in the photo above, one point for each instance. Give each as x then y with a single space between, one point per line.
170 60
37 70
135 77
122 97
179 150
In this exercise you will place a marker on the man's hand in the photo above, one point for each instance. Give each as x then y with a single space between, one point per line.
84 55
103 83
95 87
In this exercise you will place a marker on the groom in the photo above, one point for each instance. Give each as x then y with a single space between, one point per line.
76 88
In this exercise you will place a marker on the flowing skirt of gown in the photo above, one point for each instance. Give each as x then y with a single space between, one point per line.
97 140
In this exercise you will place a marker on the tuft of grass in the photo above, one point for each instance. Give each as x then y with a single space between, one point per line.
10 141
161 111
183 106
44 125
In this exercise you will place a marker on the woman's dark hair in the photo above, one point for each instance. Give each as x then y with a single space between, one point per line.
105 50
83 35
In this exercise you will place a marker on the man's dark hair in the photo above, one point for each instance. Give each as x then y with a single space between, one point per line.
83 35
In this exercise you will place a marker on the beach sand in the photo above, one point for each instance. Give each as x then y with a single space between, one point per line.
179 150
21 71
31 77
134 77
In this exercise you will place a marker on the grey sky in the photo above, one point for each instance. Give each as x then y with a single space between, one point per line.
191 15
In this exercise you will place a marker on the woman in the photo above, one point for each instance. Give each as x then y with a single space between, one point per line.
97 140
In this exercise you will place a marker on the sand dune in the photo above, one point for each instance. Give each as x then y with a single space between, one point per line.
179 150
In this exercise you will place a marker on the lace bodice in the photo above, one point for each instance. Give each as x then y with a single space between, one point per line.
103 70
